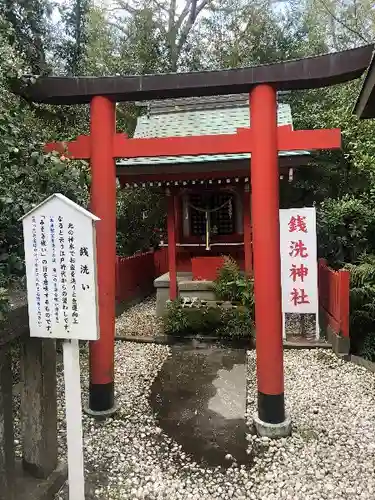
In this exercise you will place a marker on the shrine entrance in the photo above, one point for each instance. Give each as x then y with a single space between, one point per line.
263 140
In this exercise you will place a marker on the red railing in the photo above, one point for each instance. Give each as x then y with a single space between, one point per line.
135 275
334 289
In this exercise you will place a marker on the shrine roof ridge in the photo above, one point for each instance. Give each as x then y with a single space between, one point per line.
200 102
311 72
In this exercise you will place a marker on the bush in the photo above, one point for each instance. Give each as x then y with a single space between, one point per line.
207 321
175 321
232 286
225 286
236 323
346 229
362 306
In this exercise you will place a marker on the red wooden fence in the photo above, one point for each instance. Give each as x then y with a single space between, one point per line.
161 261
135 275
334 297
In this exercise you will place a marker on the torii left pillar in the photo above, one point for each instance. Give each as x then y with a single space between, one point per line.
103 205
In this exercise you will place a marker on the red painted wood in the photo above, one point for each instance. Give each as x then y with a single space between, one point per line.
161 261
334 293
79 148
178 218
288 140
103 204
266 241
247 236
135 276
299 140
344 301
307 140
176 146
241 142
206 268
172 246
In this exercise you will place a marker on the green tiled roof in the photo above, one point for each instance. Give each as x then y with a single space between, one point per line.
175 121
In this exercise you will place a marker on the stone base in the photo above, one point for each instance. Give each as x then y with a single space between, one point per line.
202 290
340 345
186 288
101 414
273 431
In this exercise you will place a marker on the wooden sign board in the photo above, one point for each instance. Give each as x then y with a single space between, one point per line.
59 239
60 256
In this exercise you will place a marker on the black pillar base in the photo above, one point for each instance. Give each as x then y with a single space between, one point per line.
101 397
271 408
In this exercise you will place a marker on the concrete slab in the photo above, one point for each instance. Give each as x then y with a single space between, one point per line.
199 398
163 281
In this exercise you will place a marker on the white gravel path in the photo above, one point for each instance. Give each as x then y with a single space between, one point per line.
330 455
139 320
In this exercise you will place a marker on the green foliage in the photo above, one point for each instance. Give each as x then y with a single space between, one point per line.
236 323
231 285
4 303
346 229
30 31
207 321
140 219
362 306
72 47
225 285
175 320
367 350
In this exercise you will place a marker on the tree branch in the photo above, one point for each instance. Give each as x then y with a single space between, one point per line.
345 25
161 6
171 15
184 13
126 6
185 30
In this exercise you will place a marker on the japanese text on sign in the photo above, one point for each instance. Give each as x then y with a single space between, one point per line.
61 273
298 260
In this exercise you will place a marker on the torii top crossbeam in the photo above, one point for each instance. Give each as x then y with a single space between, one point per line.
311 72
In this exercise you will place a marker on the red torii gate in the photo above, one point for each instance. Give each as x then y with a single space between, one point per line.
263 140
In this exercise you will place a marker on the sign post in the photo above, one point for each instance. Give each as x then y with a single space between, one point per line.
60 256
299 266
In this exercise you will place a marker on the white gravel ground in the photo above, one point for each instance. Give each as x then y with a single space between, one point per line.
330 455
139 320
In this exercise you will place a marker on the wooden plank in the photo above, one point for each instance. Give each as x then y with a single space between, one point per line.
6 427
16 325
38 406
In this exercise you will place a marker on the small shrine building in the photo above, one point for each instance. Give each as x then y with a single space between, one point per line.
209 195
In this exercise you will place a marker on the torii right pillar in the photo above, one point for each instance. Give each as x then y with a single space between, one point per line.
271 419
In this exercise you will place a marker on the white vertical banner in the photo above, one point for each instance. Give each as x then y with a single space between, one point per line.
299 264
